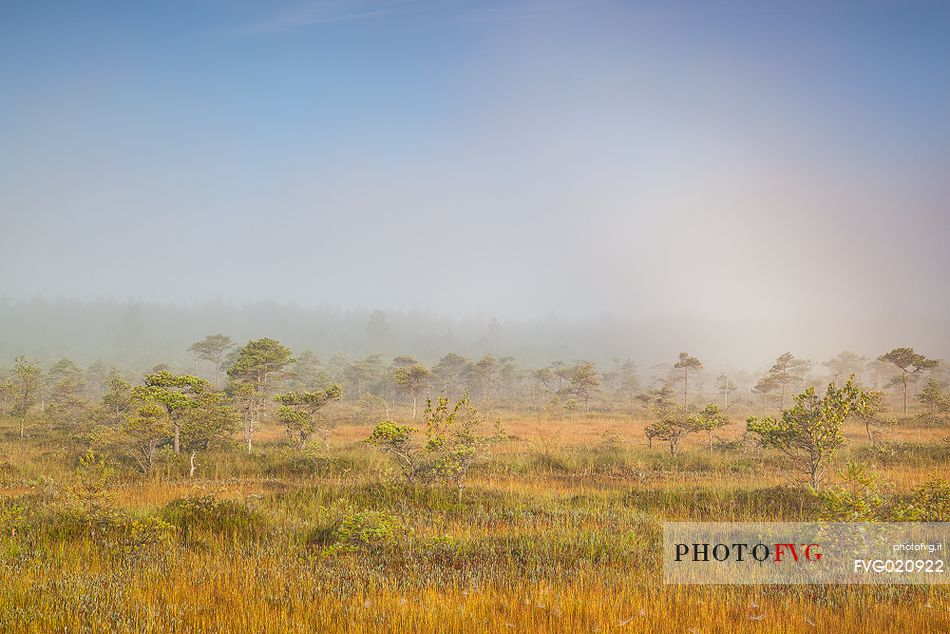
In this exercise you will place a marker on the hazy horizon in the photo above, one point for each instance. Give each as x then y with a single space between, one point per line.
138 335
769 173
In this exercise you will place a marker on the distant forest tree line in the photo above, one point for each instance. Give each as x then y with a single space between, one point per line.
265 367
137 335
230 389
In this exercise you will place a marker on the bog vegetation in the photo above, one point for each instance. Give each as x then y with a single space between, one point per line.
265 490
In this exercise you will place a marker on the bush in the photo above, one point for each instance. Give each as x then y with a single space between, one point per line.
85 505
928 503
349 530
142 535
857 499
204 511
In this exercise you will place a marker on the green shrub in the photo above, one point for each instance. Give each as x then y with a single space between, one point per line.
204 511
143 535
349 530
857 499
929 502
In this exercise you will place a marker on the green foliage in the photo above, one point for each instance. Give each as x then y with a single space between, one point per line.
117 400
259 359
251 374
687 363
871 413
86 504
929 502
787 370
293 464
658 400
845 364
299 413
143 433
398 441
609 454
858 498
451 369
212 349
369 407
936 400
176 393
203 510
672 426
24 388
146 534
413 379
810 431
621 383
65 409
909 362
349 530
709 420
305 372
209 423
211 420
559 408
366 373
454 441
584 382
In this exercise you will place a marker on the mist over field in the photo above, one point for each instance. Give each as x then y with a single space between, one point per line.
457 316
539 179
138 335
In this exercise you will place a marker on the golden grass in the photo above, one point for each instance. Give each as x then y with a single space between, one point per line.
534 546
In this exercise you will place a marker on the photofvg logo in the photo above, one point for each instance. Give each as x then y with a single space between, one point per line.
744 551
804 553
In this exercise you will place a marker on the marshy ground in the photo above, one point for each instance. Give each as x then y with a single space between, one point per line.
558 530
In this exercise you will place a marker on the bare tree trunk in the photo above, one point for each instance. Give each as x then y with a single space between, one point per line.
685 389
815 468
191 470
905 393
177 441
249 429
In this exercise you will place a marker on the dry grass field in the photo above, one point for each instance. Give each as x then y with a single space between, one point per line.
557 531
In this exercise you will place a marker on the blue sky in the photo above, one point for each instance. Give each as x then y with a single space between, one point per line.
515 158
